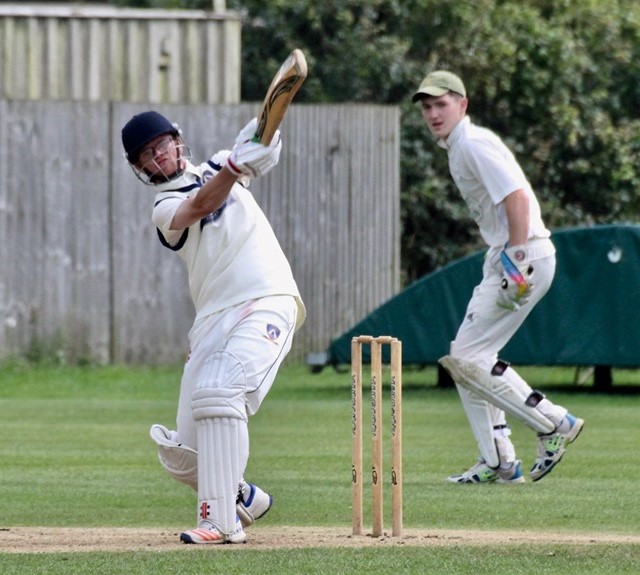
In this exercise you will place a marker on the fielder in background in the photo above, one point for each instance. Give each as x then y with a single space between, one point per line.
518 270
247 308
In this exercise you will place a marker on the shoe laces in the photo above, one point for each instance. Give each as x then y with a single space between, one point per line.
550 444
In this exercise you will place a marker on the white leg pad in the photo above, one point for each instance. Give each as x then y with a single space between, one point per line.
479 416
506 450
498 390
218 408
180 461
223 442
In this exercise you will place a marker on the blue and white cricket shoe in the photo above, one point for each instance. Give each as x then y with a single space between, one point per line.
482 473
551 447
252 503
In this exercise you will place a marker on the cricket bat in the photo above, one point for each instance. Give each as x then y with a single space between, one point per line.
283 88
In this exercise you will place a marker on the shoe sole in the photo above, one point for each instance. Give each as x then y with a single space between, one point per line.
517 481
255 517
186 538
201 536
462 481
570 439
498 480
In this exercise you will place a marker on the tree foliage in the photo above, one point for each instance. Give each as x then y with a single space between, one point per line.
558 79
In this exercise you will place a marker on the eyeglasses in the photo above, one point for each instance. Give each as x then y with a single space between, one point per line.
150 152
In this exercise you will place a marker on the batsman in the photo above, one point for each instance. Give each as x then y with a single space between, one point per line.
247 307
517 272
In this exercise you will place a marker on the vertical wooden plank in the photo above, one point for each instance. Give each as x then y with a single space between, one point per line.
76 60
214 53
192 68
8 322
25 222
52 59
34 70
94 49
136 85
173 53
229 60
115 39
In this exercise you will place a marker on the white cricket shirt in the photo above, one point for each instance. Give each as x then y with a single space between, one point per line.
486 172
232 255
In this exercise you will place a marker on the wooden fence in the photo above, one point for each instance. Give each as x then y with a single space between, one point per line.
104 53
82 273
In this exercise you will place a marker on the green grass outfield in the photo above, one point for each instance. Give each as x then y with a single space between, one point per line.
75 453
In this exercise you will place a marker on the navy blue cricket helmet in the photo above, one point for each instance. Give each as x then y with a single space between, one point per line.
143 128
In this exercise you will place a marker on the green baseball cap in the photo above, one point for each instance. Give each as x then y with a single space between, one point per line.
438 84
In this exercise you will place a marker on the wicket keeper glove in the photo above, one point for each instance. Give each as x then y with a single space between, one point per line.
515 287
252 158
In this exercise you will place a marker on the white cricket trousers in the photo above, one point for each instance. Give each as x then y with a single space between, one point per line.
258 333
486 327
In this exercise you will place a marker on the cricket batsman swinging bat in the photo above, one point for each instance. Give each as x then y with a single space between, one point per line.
283 88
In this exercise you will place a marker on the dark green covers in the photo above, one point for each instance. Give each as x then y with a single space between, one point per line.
590 316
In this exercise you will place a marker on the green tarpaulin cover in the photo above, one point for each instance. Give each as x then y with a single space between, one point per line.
590 316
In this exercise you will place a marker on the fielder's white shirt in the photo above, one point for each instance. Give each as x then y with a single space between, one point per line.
486 172
232 255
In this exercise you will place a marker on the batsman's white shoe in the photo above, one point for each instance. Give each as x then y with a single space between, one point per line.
482 473
207 532
252 503
551 447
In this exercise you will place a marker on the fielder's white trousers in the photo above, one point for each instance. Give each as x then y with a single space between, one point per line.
486 327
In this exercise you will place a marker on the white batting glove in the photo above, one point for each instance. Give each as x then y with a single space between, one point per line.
248 132
515 287
253 158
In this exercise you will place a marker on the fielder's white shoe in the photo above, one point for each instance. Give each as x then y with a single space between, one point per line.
551 447
482 473
252 503
207 532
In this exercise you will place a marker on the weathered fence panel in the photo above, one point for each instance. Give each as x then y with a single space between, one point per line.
82 270
55 268
102 53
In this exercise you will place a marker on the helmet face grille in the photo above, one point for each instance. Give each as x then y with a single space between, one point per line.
143 128
159 176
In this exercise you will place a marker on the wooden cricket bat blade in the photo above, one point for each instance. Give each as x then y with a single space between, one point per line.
284 86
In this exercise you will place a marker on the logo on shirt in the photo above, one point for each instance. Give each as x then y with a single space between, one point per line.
273 332
519 255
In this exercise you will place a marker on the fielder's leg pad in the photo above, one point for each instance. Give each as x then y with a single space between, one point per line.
180 461
496 389
478 411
